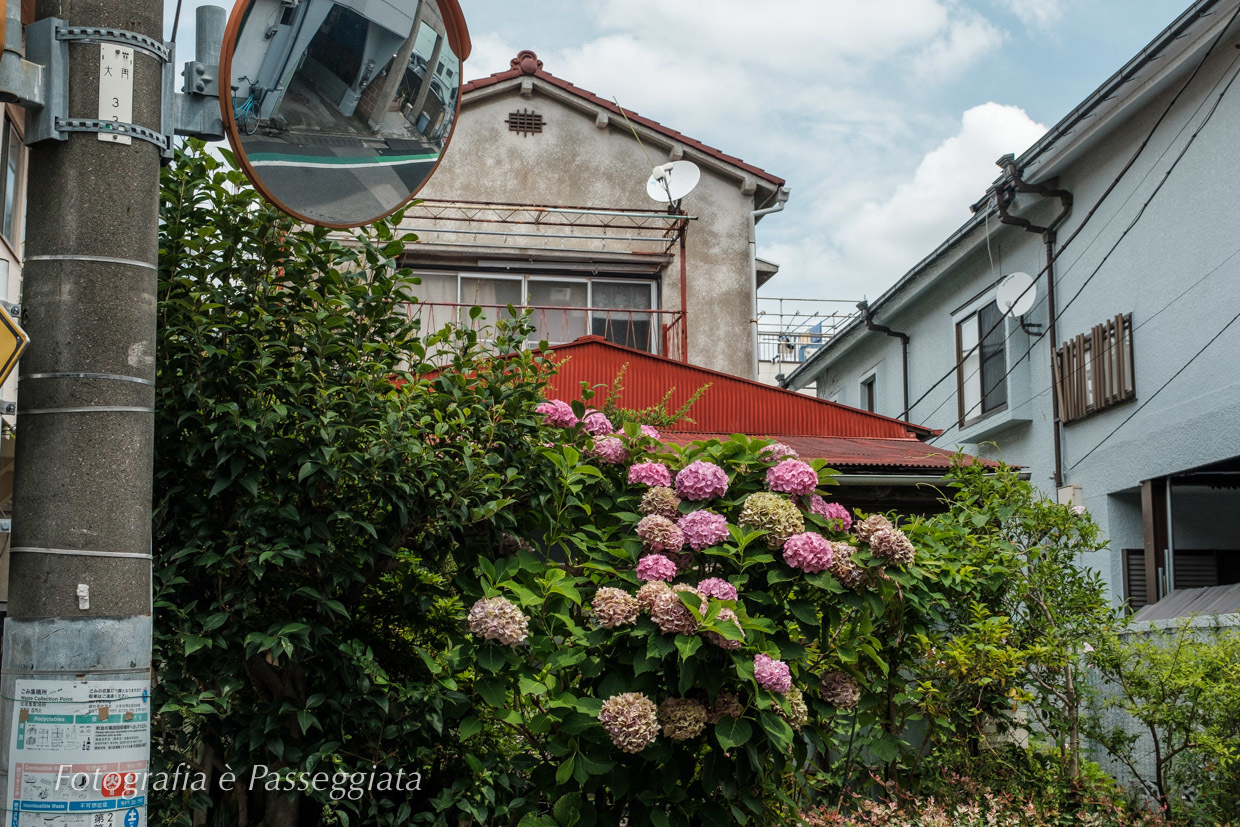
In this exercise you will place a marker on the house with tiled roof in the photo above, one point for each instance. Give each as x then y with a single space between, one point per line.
541 202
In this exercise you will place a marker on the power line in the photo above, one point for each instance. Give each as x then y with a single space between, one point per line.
1092 211
1154 395
1140 213
1154 315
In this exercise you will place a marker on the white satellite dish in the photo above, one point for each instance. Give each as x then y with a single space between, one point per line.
1016 294
671 182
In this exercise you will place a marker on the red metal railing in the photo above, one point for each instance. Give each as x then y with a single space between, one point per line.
654 331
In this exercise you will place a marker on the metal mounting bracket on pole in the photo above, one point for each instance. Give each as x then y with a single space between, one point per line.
164 142
41 84
95 34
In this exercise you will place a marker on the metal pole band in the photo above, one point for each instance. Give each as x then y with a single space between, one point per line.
89 409
129 262
96 34
69 552
118 127
112 376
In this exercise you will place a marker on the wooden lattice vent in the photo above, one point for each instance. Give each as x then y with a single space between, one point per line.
1094 371
526 122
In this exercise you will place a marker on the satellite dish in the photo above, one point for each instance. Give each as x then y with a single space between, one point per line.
672 182
1016 294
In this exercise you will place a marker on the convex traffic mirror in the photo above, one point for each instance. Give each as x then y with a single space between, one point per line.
340 110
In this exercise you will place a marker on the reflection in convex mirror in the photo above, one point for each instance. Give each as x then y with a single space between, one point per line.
339 110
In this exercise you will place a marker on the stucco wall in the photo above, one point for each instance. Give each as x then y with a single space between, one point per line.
1176 272
575 162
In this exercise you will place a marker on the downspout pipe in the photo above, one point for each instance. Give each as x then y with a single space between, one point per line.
1005 194
870 324
781 198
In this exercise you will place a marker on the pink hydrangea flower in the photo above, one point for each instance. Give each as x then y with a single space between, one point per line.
558 413
809 552
660 533
656 567
718 588
703 529
772 674
777 451
701 481
792 477
832 511
596 423
650 473
647 430
610 450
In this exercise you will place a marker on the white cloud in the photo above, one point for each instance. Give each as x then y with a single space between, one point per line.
966 42
1038 14
869 250
491 53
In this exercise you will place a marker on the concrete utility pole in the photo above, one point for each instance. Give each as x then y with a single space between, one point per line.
80 579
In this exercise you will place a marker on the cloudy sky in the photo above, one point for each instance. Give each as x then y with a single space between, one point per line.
885 116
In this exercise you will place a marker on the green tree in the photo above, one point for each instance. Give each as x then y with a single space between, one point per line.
314 477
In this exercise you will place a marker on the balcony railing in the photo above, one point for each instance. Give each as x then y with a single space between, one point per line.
790 329
655 331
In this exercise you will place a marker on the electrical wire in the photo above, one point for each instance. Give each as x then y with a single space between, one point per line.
1151 317
1084 222
1154 395
176 21
1140 213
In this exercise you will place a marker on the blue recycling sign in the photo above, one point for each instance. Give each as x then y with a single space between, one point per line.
131 817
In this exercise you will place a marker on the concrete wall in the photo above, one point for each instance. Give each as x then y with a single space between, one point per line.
1176 272
577 162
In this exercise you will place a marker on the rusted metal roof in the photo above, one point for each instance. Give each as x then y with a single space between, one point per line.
850 453
731 405
527 63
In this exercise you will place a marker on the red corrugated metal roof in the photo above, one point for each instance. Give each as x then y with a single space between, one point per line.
849 453
527 63
731 405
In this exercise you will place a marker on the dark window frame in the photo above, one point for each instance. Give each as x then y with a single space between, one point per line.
991 372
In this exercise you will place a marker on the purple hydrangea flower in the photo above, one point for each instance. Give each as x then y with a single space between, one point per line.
718 588
701 481
772 674
656 567
777 451
610 450
792 477
596 423
703 529
809 552
832 511
650 473
558 413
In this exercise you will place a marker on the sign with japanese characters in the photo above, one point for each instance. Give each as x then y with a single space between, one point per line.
115 89
78 754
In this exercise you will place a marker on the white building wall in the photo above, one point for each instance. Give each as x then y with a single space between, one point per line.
1177 273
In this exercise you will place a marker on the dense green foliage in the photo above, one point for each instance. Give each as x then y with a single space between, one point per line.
1181 685
312 482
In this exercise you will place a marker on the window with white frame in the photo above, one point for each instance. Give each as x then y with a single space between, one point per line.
981 363
562 308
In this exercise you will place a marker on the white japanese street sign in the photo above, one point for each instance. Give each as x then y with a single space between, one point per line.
78 754
115 89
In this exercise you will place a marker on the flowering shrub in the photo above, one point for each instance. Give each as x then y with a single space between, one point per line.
673 645
780 649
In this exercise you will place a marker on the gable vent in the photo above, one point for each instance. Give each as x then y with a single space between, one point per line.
526 122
